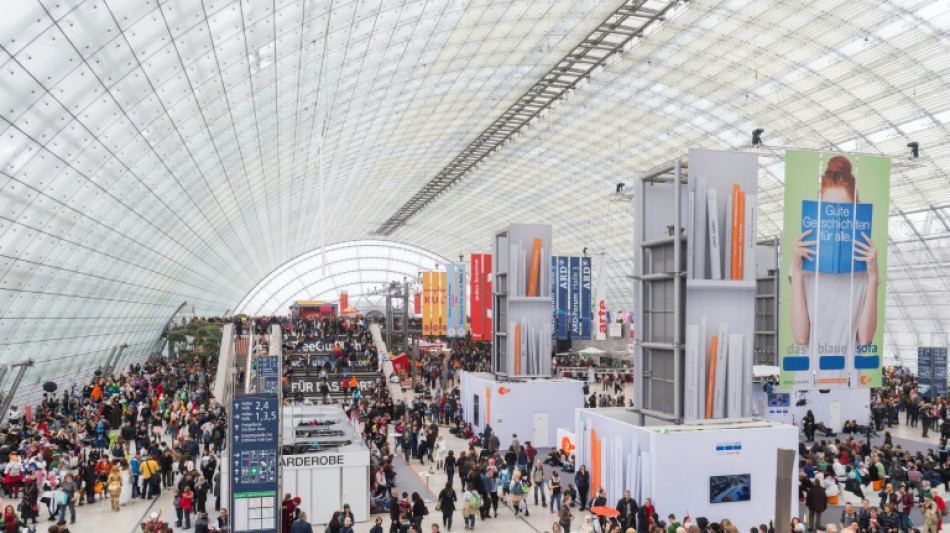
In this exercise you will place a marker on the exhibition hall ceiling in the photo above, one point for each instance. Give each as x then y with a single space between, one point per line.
161 152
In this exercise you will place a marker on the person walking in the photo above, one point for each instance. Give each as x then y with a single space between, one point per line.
816 501
554 485
627 507
446 504
301 525
537 476
470 505
564 516
70 489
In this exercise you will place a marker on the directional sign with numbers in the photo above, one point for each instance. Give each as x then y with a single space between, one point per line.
254 463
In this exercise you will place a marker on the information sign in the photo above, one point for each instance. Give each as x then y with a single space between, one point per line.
254 463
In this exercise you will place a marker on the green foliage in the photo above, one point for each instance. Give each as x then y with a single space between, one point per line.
207 337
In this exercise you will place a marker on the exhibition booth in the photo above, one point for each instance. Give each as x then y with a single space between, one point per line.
533 409
324 461
834 407
716 468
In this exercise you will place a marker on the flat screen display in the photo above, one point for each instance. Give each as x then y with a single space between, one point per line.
734 488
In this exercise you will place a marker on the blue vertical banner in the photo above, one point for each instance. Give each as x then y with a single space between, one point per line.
460 312
586 282
253 453
452 300
563 288
575 297
553 278
925 368
940 372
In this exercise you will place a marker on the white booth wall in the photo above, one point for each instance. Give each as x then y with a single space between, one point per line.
672 464
833 407
532 409
326 481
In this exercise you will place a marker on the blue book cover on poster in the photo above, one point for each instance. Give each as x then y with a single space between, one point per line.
834 228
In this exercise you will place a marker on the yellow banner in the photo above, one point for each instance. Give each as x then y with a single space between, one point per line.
443 303
427 306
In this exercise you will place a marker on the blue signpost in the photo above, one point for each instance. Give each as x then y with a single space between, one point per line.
932 372
254 463
268 370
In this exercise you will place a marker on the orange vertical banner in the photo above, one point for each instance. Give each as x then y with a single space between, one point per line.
714 345
535 268
517 350
427 303
594 464
487 405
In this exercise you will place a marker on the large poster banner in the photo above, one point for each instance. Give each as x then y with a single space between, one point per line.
476 298
834 258
563 292
554 316
460 326
585 297
451 301
442 302
600 302
427 306
489 298
575 298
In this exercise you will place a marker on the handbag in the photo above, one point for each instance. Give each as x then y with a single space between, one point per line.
438 505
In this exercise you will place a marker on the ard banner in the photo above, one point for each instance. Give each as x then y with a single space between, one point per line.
834 265
451 301
575 299
488 299
475 295
427 307
460 309
563 298
554 316
585 308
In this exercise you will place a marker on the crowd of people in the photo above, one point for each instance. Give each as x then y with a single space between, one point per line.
117 440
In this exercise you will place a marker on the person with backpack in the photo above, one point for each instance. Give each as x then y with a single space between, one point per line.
472 502
446 503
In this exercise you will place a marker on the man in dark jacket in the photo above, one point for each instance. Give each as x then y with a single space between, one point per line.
301 525
817 502
627 507
394 512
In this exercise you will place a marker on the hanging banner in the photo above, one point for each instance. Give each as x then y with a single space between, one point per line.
451 300
344 300
487 298
600 302
460 322
575 298
442 302
834 254
563 291
476 297
932 372
554 308
585 297
417 303
427 307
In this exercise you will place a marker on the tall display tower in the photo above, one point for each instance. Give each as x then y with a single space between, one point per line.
521 337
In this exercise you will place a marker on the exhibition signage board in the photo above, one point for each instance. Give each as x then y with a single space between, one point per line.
834 249
488 299
932 372
435 312
311 385
427 303
600 303
571 298
254 463
450 300
461 327
324 460
477 320
268 371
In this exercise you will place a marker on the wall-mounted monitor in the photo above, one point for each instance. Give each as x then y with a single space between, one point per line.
734 488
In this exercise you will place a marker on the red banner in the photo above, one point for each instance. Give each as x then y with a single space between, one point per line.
478 306
417 303
486 297
344 300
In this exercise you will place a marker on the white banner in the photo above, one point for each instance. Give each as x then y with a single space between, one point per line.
600 301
